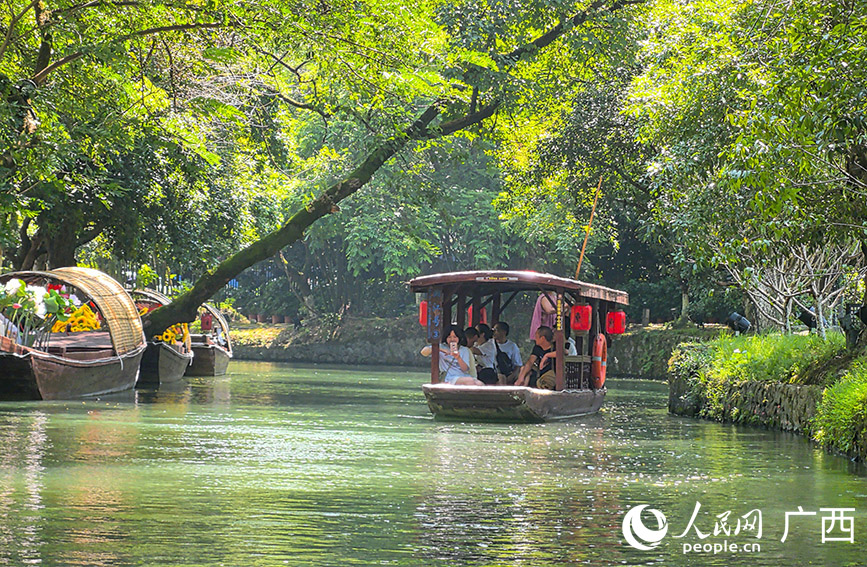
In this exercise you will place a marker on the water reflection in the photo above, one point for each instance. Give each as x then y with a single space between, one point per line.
274 465
22 443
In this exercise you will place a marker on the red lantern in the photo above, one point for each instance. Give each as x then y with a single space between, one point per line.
615 323
207 321
581 317
422 313
484 317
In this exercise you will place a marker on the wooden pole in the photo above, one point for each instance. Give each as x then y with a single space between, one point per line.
434 331
559 346
589 226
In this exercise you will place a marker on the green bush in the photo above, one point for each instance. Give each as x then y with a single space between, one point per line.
840 420
773 357
711 367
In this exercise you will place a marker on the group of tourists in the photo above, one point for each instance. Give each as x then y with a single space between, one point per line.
481 355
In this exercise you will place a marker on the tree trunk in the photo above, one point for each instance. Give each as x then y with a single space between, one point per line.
299 287
61 249
684 299
184 307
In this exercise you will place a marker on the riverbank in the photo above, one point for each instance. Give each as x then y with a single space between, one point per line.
368 341
793 383
642 352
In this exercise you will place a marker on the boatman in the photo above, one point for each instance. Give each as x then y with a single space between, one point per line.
541 357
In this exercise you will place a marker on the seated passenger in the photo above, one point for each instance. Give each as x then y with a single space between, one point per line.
456 360
472 336
540 366
503 345
486 355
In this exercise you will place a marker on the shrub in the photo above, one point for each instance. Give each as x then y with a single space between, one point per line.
840 419
712 367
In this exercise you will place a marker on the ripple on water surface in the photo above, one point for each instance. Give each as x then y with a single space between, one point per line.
281 465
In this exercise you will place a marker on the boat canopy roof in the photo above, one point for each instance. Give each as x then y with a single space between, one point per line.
113 302
490 282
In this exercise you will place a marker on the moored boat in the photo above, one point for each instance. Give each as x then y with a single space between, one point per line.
578 380
212 349
68 365
164 361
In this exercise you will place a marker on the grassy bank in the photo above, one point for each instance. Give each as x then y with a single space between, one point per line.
820 379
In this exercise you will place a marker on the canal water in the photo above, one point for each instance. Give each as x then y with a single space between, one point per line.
284 465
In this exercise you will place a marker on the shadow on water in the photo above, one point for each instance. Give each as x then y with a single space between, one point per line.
281 465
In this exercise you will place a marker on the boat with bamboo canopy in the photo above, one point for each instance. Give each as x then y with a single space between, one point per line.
168 355
212 349
67 333
463 297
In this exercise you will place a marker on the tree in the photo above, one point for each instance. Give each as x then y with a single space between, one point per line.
754 110
469 102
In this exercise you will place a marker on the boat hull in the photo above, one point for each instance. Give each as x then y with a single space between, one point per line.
208 360
35 375
163 364
510 403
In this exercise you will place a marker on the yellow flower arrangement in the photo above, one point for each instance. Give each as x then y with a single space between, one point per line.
174 333
82 319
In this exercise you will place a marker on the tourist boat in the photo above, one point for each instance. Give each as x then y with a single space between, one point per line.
162 362
579 390
76 364
212 349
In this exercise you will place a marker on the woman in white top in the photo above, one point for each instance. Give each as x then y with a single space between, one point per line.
455 359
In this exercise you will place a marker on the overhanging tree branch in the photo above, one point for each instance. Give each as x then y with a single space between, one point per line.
39 78
185 306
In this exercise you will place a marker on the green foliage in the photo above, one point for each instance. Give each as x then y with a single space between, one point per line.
754 111
713 367
711 304
772 357
146 276
841 416
660 295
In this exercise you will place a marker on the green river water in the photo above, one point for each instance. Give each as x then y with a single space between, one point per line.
277 465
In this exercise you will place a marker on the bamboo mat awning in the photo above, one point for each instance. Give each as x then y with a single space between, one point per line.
113 302
151 295
222 321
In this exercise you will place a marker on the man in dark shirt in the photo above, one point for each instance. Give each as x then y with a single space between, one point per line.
544 345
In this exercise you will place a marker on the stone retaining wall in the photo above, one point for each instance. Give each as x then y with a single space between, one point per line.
644 353
388 353
640 353
788 407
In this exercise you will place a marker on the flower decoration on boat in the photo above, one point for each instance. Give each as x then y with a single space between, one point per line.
175 333
82 319
29 312
145 308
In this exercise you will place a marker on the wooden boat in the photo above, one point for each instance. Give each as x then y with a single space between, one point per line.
574 393
510 403
78 364
212 351
162 363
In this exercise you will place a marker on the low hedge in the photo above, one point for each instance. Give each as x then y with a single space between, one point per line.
795 382
841 417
